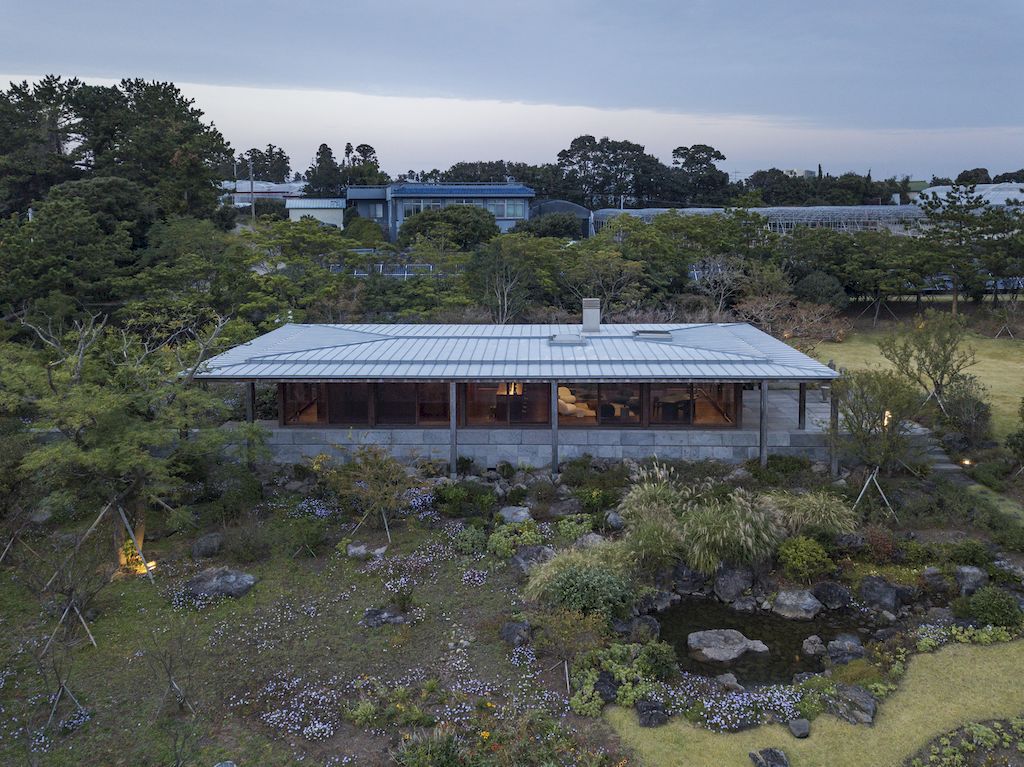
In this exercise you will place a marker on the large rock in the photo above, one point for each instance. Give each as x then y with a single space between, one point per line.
651 713
208 545
514 514
376 616
607 686
813 646
220 582
722 645
614 521
731 582
528 557
515 633
588 541
566 508
745 605
729 683
834 596
643 628
796 605
970 579
800 728
935 581
688 582
877 592
844 648
853 703
769 757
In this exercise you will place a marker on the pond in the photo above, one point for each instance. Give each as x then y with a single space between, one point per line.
783 637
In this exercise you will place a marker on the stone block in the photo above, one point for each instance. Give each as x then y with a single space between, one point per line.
634 438
505 437
538 437
604 437
473 437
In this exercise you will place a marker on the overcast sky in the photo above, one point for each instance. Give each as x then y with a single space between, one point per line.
902 86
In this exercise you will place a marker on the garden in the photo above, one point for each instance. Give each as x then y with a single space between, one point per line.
615 613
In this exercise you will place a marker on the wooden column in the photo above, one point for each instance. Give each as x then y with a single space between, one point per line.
250 401
763 441
802 408
554 427
453 438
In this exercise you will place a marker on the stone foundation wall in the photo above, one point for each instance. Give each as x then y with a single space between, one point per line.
487 447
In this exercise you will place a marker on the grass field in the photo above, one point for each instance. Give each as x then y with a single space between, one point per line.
1000 366
941 691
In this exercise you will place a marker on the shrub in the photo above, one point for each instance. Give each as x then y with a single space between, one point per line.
305 535
990 606
804 559
516 496
464 499
610 555
505 470
464 465
567 633
739 529
781 469
968 552
249 542
507 538
596 499
815 512
882 547
654 538
647 495
571 528
590 590
440 748
876 408
373 482
470 540
966 409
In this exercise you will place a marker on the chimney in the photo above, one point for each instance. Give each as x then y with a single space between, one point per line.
591 315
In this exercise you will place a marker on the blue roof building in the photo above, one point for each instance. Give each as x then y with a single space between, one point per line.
390 205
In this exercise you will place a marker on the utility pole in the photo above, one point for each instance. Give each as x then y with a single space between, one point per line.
252 195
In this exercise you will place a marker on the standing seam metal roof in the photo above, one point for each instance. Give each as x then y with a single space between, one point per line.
728 351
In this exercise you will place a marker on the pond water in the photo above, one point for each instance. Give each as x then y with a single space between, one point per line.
783 637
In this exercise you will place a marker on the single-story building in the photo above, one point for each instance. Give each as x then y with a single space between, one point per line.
390 205
534 394
329 210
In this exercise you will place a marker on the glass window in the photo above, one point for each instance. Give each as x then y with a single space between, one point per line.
715 404
348 402
671 403
396 403
411 207
577 404
528 402
433 404
433 204
302 404
515 209
481 408
619 404
497 207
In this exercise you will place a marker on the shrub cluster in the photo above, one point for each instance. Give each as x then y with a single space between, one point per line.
507 538
804 559
464 499
990 606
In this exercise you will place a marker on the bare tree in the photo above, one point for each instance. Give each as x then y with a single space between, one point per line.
720 278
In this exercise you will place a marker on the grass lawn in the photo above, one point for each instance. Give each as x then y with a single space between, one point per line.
941 691
1000 366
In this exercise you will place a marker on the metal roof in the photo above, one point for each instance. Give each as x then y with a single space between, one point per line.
627 352
315 203
786 214
483 189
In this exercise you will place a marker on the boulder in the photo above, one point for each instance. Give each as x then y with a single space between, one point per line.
722 645
688 582
658 601
834 596
731 582
844 648
797 605
357 550
739 474
941 616
729 683
769 757
565 508
375 616
40 516
800 728
208 545
607 686
813 646
851 542
853 704
588 540
528 557
614 521
934 580
955 442
906 595
745 605
514 514
877 592
220 582
515 633
970 579
643 628
224 764
651 713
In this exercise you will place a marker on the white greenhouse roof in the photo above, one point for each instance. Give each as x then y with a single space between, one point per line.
314 203
627 352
